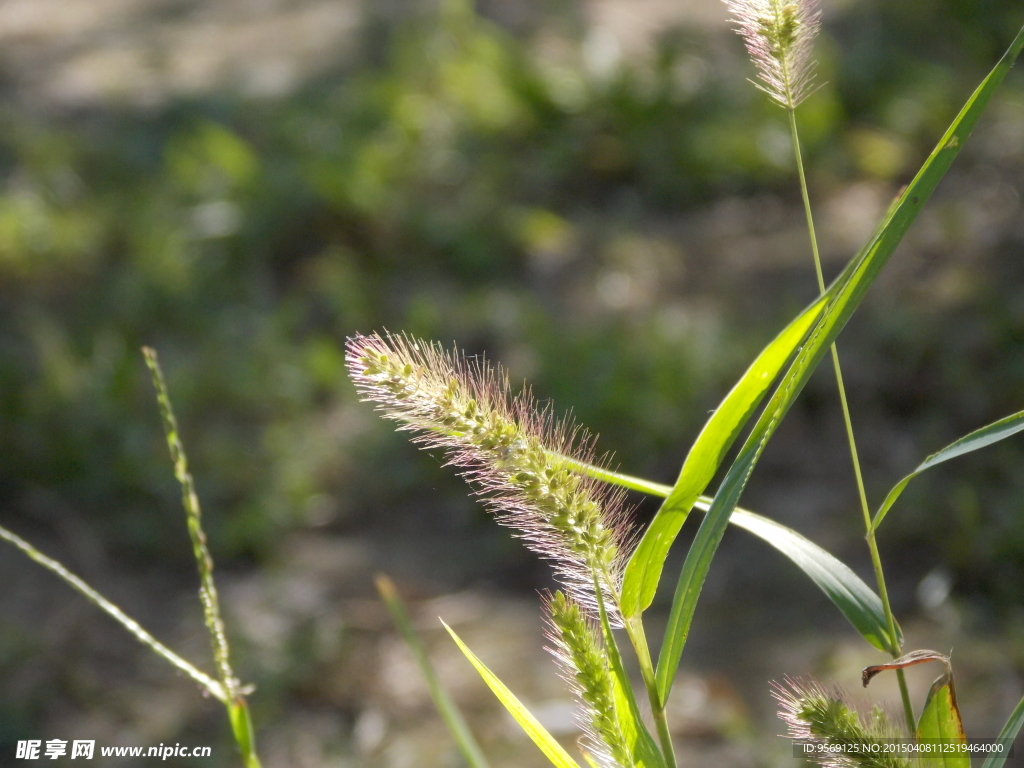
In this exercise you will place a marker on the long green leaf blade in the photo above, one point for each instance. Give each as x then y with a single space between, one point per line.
856 600
979 438
537 732
447 708
845 296
643 572
1007 735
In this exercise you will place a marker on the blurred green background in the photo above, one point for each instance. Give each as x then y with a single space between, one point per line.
590 193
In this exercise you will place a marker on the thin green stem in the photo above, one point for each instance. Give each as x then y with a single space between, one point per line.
211 686
876 559
638 639
635 631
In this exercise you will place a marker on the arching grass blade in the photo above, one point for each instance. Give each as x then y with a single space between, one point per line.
980 438
855 599
644 569
1007 735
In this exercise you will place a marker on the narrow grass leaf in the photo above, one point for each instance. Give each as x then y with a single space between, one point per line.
980 438
940 721
449 712
643 572
1007 735
540 736
857 601
844 297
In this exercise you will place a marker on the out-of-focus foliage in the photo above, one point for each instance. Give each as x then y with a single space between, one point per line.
463 188
624 233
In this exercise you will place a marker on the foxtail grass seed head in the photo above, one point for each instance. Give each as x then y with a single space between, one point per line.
822 716
518 456
577 647
779 36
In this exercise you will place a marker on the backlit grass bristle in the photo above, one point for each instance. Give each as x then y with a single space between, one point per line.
515 452
779 36
823 716
577 646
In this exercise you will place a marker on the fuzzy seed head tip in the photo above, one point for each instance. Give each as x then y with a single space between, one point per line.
823 716
779 37
511 449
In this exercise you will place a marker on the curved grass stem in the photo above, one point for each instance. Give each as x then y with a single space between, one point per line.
876 560
211 686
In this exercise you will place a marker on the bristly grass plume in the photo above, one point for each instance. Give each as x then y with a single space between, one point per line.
577 646
514 451
779 36
824 718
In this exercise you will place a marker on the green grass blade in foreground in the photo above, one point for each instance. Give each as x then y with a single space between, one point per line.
211 686
544 740
468 746
1007 735
856 600
979 438
643 571
847 292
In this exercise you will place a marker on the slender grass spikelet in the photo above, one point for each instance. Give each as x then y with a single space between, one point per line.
518 456
823 717
584 664
779 36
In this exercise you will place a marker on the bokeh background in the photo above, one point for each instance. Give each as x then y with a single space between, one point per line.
588 191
